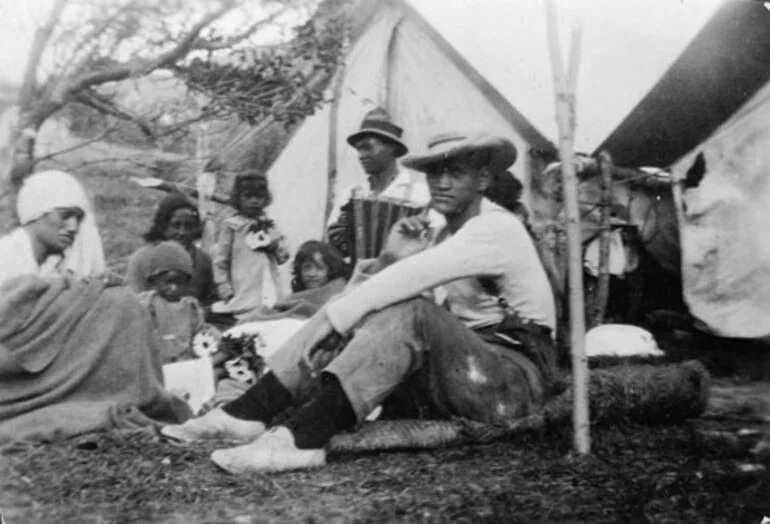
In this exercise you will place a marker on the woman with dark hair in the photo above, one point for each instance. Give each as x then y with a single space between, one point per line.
176 219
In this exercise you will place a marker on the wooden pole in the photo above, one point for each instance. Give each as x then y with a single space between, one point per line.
331 167
599 305
564 87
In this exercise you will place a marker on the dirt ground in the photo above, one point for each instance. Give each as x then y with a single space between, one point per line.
635 474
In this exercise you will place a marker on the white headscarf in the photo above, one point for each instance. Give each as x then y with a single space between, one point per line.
44 192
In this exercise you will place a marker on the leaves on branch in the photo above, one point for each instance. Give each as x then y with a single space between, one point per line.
285 82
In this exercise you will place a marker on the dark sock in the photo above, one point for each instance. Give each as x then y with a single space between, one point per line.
317 421
263 401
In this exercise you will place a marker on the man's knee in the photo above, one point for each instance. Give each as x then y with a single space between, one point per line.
410 309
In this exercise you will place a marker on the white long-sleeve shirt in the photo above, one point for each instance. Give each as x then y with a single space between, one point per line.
493 244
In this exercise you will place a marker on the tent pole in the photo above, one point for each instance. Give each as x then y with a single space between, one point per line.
564 87
331 172
331 176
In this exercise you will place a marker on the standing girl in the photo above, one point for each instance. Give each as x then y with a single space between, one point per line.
249 250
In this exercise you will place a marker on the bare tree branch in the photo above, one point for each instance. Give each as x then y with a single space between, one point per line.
107 107
134 67
79 145
42 36
226 43
80 57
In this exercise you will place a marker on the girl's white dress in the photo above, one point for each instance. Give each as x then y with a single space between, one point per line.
245 267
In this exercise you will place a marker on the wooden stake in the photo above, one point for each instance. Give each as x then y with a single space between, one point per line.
564 87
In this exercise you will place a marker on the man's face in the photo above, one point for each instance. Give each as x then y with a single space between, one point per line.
455 184
375 154
56 230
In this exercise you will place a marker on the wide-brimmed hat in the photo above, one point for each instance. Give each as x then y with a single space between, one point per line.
378 123
447 145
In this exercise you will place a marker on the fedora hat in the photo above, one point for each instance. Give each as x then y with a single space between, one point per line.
444 146
377 122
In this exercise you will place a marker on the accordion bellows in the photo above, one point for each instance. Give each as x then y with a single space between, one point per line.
372 219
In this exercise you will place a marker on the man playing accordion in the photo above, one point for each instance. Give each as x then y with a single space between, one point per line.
379 145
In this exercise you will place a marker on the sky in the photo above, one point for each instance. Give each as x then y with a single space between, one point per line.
627 45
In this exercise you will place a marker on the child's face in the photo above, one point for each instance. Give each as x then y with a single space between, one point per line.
171 285
314 272
252 202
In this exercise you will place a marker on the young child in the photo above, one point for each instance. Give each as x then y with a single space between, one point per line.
315 265
176 317
249 250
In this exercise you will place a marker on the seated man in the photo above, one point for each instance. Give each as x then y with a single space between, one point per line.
487 355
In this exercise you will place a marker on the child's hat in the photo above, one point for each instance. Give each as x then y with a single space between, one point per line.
169 256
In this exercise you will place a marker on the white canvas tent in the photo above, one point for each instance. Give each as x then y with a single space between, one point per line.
397 61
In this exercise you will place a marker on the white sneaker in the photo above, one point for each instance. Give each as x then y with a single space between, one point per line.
216 424
272 452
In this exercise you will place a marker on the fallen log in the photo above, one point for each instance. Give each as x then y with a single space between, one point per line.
645 394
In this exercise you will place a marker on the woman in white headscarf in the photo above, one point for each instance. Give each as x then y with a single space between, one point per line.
58 232
77 354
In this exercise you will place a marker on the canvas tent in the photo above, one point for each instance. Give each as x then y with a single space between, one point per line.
397 61
714 101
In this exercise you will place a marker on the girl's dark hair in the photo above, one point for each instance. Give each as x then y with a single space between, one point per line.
330 255
255 180
166 209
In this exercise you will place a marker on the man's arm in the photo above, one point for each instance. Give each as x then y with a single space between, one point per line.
484 246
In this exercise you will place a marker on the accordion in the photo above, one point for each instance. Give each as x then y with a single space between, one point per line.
371 221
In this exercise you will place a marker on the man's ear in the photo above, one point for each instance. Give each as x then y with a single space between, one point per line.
485 179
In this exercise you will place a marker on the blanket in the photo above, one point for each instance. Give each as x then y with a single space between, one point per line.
303 304
77 357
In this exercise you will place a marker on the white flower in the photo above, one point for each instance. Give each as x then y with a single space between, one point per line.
206 342
238 369
258 240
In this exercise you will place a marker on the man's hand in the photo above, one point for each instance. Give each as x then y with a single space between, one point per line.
408 236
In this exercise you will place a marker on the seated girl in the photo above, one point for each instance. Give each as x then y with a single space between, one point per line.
248 252
319 272
175 219
176 317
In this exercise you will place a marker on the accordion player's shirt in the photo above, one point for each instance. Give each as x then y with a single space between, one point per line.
492 244
408 185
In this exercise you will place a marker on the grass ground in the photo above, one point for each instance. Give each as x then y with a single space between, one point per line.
636 474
